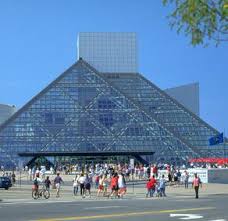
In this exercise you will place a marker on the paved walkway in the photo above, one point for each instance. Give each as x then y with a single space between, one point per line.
212 204
23 193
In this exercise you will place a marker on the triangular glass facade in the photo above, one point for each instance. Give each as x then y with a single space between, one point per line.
84 110
170 113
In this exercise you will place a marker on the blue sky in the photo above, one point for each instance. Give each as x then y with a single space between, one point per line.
38 42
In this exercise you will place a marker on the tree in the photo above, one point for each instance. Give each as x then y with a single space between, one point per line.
202 20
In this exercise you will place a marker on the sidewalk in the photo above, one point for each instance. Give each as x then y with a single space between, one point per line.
23 193
208 189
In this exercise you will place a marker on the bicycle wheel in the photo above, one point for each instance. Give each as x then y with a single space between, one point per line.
35 194
46 194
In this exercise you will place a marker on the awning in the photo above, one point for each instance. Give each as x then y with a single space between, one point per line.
209 160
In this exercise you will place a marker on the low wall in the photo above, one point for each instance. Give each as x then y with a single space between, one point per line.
206 175
218 176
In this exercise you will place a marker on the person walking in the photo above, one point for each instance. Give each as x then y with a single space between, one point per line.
57 182
151 185
170 178
36 182
186 179
75 185
88 182
47 183
13 178
122 185
105 185
81 181
162 184
100 185
178 177
155 170
175 178
196 184
114 185
149 189
97 177
148 172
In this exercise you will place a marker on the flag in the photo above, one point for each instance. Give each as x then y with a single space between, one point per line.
216 139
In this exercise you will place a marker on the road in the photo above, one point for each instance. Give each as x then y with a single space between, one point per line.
207 208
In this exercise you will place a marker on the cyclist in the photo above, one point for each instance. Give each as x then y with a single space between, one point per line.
40 192
36 182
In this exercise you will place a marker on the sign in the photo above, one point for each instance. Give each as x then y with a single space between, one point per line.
213 175
202 173
132 163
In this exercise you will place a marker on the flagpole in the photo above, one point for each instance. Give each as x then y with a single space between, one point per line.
224 143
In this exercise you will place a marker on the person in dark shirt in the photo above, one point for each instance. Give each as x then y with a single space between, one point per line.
13 178
58 181
47 183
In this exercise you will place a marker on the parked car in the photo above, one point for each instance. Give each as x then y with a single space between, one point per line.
5 182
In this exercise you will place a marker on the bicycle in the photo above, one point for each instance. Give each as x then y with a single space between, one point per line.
38 193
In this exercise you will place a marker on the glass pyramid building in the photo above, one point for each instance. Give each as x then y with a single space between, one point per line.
86 110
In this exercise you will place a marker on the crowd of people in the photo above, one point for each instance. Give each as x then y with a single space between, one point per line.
102 182
108 180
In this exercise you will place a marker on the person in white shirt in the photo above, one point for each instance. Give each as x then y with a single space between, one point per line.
75 185
101 184
30 174
121 185
186 179
81 181
52 170
37 181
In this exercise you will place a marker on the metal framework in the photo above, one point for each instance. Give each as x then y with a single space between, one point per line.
170 113
84 110
85 153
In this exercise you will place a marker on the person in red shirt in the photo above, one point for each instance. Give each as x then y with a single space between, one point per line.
149 189
151 184
114 185
196 183
155 170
